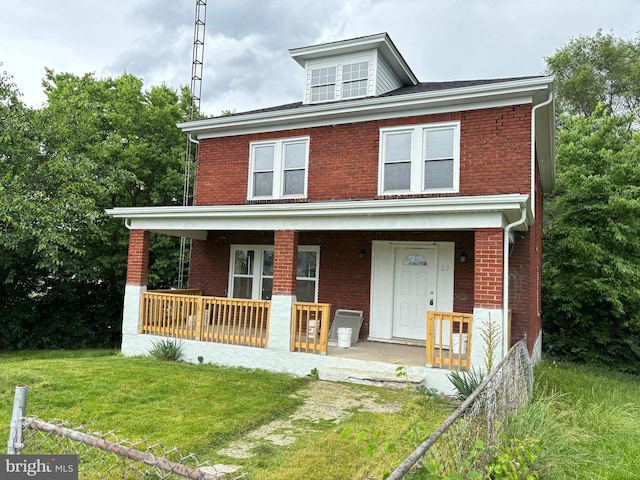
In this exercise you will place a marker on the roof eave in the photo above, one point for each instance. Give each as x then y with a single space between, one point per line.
467 95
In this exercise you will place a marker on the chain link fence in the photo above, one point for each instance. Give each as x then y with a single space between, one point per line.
484 415
104 456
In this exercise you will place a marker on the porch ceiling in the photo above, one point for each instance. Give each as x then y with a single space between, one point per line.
415 214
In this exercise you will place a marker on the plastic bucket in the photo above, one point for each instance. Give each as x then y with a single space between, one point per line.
312 329
344 337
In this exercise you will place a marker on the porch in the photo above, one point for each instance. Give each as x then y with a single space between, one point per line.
188 316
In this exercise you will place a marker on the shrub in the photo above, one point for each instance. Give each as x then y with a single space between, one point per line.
168 350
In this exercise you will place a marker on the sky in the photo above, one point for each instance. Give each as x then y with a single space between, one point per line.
246 60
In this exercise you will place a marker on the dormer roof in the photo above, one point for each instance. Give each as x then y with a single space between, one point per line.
379 41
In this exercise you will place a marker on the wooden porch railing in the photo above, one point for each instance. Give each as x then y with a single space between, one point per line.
210 319
449 340
310 327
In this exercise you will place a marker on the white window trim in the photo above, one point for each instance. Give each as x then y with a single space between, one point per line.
418 148
278 168
257 274
338 93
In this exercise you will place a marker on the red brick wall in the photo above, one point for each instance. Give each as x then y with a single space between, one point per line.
343 159
488 268
285 261
345 278
138 261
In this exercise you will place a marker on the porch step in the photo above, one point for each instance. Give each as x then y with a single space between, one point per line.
369 377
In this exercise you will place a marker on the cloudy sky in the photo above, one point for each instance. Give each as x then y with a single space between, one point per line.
247 64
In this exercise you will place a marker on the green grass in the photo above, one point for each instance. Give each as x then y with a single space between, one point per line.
588 421
203 408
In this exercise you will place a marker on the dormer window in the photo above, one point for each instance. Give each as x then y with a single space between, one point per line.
360 67
354 79
348 80
323 84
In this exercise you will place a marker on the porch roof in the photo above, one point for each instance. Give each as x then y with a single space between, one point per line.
414 214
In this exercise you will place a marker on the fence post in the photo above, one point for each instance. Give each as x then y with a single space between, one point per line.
19 411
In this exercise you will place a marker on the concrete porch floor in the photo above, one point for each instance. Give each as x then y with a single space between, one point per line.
406 355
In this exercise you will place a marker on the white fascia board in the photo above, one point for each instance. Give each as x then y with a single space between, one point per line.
379 41
417 214
393 106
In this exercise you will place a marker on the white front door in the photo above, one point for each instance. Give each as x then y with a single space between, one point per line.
415 280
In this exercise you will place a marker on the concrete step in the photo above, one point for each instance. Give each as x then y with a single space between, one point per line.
369 377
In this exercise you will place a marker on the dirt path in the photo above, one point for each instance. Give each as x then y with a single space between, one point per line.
324 401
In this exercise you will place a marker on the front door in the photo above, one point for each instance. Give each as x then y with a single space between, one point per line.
415 280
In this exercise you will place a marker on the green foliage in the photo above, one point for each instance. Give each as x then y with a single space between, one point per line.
465 383
167 350
94 145
513 459
591 271
601 69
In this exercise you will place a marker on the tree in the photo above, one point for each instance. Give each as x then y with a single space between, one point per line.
96 144
602 69
591 266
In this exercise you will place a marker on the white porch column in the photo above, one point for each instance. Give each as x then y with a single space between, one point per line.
137 267
479 348
285 267
131 317
280 322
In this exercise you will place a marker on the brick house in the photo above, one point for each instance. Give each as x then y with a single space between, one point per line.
376 194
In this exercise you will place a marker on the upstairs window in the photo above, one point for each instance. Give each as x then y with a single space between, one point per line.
338 82
278 169
420 159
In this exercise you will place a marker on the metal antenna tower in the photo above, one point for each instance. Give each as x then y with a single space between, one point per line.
197 66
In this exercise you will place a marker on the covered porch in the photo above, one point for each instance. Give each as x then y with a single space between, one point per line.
364 251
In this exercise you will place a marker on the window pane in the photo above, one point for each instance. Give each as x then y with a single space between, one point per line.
397 146
242 287
243 264
267 263
354 89
294 155
306 290
438 174
355 71
263 184
293 182
397 176
263 158
322 76
439 143
324 92
267 288
307 264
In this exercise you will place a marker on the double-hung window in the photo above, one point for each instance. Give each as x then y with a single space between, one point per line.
339 81
251 272
420 159
323 84
278 169
354 79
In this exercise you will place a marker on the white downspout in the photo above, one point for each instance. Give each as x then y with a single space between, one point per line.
520 221
505 279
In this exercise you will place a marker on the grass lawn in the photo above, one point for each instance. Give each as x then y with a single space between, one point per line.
203 409
588 421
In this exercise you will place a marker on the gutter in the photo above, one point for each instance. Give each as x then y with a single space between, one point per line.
508 228
505 279
533 150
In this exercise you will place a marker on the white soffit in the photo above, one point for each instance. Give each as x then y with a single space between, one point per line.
420 214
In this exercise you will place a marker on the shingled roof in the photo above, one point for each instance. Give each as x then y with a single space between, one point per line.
422 87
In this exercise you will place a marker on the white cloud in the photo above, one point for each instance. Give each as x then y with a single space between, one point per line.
247 64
